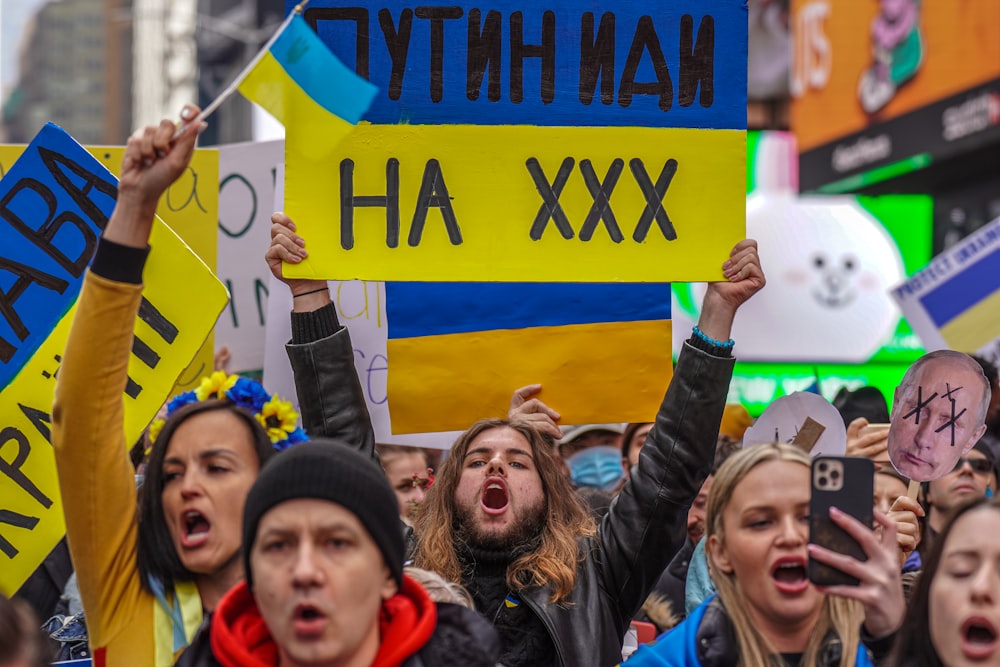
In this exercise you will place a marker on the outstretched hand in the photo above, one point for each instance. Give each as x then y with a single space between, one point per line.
744 278
153 160
525 407
288 247
880 587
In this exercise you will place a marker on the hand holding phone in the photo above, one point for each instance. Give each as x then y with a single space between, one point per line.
846 483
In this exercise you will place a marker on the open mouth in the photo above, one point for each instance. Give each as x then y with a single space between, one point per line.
789 575
979 638
196 529
308 620
495 496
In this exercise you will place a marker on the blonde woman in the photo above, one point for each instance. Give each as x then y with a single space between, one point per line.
767 612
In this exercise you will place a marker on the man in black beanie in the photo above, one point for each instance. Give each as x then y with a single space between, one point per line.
323 556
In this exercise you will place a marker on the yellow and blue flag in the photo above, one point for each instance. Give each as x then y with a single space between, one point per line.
964 308
300 82
458 350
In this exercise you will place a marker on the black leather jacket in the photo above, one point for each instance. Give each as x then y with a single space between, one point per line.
646 524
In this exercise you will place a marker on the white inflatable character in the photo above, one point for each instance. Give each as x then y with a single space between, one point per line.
829 266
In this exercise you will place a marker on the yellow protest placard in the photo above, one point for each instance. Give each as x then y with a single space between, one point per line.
519 203
181 301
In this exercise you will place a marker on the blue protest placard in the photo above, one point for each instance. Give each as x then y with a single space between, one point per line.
54 202
560 62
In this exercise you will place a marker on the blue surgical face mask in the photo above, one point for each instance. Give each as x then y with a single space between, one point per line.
597 468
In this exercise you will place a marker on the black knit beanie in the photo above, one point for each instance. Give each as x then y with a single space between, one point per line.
328 470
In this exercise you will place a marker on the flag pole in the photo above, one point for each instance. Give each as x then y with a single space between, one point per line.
235 84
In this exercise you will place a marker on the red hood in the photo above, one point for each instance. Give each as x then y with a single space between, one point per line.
241 639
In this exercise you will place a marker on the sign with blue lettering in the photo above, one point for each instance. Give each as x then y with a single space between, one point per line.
54 202
561 62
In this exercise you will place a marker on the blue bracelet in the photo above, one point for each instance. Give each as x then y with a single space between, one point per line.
711 341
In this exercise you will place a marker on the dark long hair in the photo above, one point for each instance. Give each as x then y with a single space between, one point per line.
913 642
156 555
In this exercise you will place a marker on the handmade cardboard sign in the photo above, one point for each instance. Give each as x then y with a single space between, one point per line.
530 142
54 202
804 419
938 414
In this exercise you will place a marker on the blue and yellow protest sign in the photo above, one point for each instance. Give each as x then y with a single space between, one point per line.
54 202
530 142
457 351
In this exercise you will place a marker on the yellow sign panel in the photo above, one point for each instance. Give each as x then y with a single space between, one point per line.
181 302
520 204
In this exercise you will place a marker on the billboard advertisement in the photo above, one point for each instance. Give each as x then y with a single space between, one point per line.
883 88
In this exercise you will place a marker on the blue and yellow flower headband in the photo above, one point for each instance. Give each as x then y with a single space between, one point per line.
277 417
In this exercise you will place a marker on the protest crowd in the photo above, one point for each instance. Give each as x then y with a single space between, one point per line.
254 541
242 528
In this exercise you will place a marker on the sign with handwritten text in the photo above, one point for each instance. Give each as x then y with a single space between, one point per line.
531 142
54 202
246 194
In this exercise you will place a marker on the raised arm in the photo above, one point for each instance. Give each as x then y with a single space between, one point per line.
646 526
331 399
95 475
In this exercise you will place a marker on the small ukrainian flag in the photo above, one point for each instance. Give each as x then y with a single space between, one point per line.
301 83
510 602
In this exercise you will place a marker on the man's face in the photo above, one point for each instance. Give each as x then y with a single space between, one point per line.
958 487
319 582
935 420
500 502
590 439
696 514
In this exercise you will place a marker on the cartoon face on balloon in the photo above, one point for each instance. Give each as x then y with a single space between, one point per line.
829 268
938 414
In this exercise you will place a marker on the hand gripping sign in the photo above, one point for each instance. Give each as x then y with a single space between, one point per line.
54 202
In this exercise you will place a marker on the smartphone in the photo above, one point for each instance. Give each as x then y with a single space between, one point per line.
847 483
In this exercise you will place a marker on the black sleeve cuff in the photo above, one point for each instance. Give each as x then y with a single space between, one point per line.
314 325
879 647
120 263
714 350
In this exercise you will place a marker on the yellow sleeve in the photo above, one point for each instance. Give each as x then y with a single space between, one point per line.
96 478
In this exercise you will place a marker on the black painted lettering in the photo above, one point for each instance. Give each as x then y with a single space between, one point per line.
485 48
546 51
144 353
359 15
155 319
437 16
12 468
349 201
40 419
597 58
434 192
192 195
132 388
398 43
26 275
646 39
601 191
654 194
58 165
551 208
18 521
44 236
697 64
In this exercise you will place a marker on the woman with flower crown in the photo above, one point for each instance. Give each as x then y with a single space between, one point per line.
149 567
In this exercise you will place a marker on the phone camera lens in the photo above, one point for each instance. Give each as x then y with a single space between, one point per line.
822 467
821 482
835 475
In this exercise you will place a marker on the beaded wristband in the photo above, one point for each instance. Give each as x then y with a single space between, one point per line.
711 341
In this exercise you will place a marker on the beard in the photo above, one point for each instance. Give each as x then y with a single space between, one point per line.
521 534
